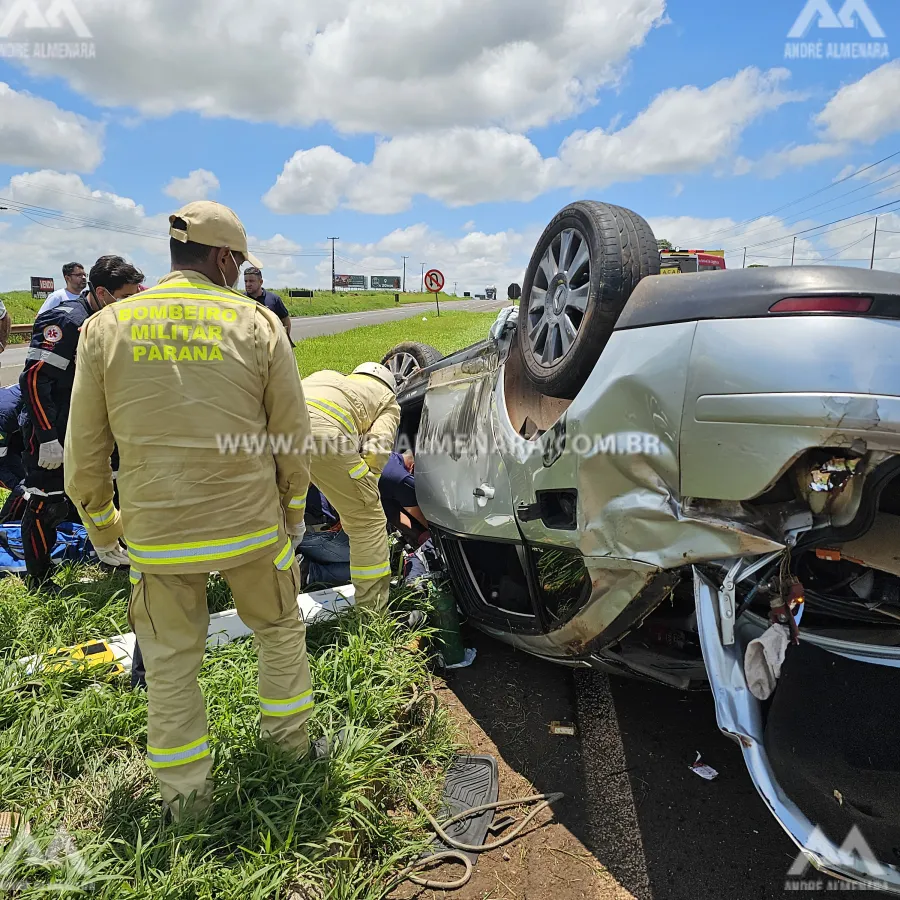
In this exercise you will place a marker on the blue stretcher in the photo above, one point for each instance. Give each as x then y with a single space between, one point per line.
72 545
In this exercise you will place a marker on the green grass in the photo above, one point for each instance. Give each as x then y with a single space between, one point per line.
72 745
324 303
21 305
343 352
23 308
72 756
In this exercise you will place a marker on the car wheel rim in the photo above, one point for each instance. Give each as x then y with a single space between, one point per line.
559 297
402 365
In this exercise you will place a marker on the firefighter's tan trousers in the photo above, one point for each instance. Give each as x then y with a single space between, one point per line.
339 472
170 618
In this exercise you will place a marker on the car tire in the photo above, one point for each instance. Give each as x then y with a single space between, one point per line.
569 307
408 358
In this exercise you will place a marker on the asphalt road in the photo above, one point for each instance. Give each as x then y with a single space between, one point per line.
660 831
13 359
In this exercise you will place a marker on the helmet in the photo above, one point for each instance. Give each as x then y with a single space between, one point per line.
376 370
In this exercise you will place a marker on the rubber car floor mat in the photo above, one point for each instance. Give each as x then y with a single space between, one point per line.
471 782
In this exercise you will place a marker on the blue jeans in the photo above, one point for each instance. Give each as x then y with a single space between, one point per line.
328 555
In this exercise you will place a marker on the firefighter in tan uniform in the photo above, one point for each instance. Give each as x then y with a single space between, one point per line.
354 420
170 376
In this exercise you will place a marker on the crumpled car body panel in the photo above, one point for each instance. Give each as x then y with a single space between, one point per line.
680 430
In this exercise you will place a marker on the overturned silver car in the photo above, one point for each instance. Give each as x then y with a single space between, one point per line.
643 473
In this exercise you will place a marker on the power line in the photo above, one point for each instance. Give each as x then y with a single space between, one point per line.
356 262
29 210
865 237
801 215
784 240
44 187
821 190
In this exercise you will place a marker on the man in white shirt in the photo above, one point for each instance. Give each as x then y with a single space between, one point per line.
76 282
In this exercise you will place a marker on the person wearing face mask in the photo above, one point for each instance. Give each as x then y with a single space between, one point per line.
169 376
46 385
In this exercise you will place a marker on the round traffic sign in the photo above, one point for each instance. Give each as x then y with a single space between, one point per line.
434 281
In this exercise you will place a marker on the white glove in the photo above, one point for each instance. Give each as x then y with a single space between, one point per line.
296 534
51 455
114 556
508 318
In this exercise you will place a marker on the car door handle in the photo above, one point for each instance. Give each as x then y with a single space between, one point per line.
485 491
528 512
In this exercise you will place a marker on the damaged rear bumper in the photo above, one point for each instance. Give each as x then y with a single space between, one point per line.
740 716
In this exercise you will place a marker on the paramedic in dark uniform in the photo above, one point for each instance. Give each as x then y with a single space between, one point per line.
12 469
397 486
46 385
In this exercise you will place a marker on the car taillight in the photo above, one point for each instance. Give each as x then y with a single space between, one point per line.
822 305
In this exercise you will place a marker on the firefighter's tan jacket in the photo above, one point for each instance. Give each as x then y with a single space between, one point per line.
364 407
198 387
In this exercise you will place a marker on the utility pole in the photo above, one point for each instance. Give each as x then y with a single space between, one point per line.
332 262
423 279
744 266
793 249
454 287
874 238
405 258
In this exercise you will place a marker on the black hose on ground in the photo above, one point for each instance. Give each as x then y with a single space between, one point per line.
543 801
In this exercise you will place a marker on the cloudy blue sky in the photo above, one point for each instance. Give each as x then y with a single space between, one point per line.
450 131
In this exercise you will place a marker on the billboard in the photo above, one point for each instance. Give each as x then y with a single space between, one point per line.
350 281
385 282
42 288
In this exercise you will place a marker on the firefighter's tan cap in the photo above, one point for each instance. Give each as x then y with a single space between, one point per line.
213 225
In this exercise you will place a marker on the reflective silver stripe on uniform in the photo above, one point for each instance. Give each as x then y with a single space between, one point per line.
285 559
184 290
297 503
287 707
134 576
370 573
105 516
359 471
164 758
47 356
202 551
333 411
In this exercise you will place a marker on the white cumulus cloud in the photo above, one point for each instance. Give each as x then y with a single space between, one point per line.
867 110
474 261
311 182
35 132
683 130
769 240
385 66
467 166
89 223
199 185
